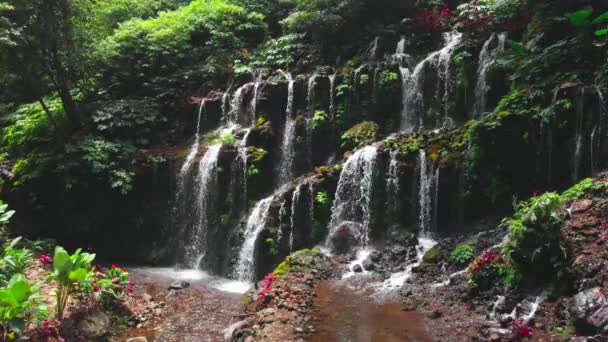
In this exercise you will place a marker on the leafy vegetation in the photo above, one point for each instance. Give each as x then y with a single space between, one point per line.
462 254
360 135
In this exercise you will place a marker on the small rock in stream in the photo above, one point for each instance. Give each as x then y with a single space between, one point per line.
357 268
179 285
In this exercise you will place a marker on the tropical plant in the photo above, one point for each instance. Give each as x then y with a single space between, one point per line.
462 254
13 260
582 19
360 135
319 119
70 272
18 307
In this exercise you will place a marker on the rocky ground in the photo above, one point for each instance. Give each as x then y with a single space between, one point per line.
281 310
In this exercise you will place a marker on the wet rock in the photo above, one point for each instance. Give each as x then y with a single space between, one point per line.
345 237
368 264
590 310
179 285
231 332
432 256
581 206
94 325
137 339
357 268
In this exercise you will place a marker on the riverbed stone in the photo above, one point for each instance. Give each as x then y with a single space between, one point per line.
137 339
589 309
179 285
94 325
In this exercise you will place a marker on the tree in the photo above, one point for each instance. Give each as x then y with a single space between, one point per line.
36 47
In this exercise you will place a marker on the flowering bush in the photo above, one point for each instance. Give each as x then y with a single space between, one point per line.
45 259
50 329
520 330
107 285
484 13
485 269
436 18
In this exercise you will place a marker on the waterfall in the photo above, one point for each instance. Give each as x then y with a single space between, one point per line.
254 102
353 199
578 137
240 173
400 57
299 218
332 96
236 106
289 136
428 193
405 90
596 141
487 58
245 270
393 183
193 149
413 109
372 50
310 97
207 186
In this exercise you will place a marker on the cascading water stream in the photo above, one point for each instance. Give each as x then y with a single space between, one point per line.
207 185
412 113
487 59
332 96
299 218
353 201
289 136
578 138
393 183
428 182
245 269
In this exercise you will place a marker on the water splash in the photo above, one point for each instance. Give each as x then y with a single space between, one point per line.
428 191
396 280
332 96
440 61
487 59
354 192
310 96
245 270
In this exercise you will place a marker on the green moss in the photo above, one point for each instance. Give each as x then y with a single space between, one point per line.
360 135
431 256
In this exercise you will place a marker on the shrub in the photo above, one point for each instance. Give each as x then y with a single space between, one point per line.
319 119
277 53
360 135
583 188
487 268
31 125
18 307
70 272
483 13
13 260
462 254
226 138
536 245
388 83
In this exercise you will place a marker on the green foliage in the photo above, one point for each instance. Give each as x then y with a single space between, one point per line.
108 160
360 135
227 28
13 260
257 154
252 171
322 199
319 119
582 19
536 245
31 125
69 271
388 83
273 248
277 53
226 138
18 307
585 187
130 120
5 215
462 254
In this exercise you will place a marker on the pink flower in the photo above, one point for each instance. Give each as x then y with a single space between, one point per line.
537 192
45 258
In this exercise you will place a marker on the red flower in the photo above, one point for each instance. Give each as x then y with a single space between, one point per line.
537 192
520 329
45 258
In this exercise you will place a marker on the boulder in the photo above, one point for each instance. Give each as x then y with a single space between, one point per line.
179 285
230 333
94 325
589 310
357 268
345 237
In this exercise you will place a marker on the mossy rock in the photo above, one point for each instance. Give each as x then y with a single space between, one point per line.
362 134
431 256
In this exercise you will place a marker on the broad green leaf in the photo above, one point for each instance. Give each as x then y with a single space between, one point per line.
601 32
600 18
78 275
19 288
579 18
61 259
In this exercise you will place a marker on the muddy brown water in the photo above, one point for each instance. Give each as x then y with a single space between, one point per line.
344 315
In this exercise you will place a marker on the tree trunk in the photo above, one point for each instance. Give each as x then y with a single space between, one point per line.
49 115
